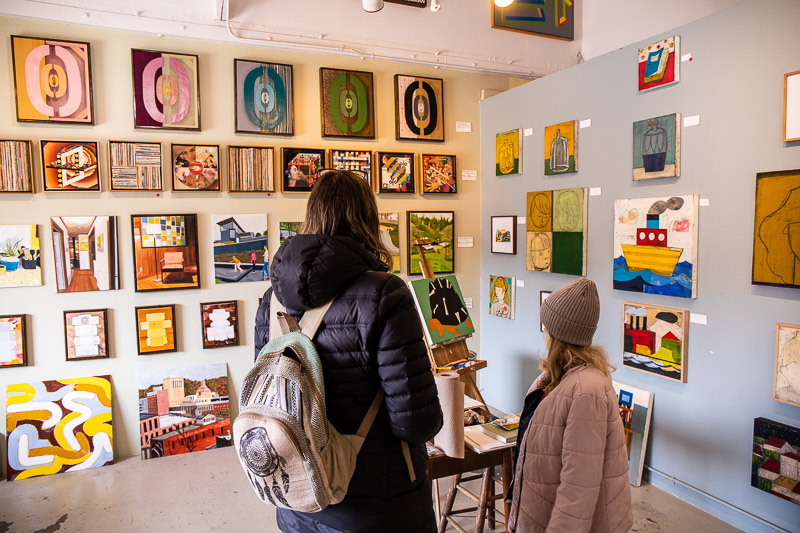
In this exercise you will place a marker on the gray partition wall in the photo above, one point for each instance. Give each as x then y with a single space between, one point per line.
701 433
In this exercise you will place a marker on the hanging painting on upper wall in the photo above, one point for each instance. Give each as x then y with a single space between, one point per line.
135 166
776 246
251 169
657 147
85 253
70 166
301 168
166 91
502 296
776 455
787 364
241 250
442 309
20 257
654 340
418 108
347 103
508 153
636 409
556 225
195 168
52 80
390 237
791 106
655 245
396 172
437 230
660 64
16 172
561 148
264 97
438 174
550 18
357 161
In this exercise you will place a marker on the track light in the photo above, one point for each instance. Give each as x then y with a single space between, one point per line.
371 6
435 5
503 3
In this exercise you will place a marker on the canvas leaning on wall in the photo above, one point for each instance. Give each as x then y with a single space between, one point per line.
636 409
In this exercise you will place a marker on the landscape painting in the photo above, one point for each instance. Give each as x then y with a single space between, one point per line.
165 252
135 166
20 256
288 229
657 147
556 223
776 242
241 251
660 63
70 166
418 108
264 97
85 253
636 409
435 231
787 364
502 296
86 335
13 341
561 148
655 339
442 309
655 245
155 329
775 466
390 237
508 153
166 92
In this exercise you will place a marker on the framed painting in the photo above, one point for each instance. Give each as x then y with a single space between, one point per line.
502 296
504 235
390 237
156 329
787 364
561 148
135 166
195 168
241 248
791 106
20 256
655 340
508 153
166 90
85 253
288 229
776 256
436 231
396 172
301 168
13 341
556 231
660 64
347 103
554 19
78 435
542 297
165 252
16 172
418 108
70 166
85 334
657 147
438 174
655 245
635 409
183 410
251 169
442 309
52 80
774 465
358 161
263 97
220 324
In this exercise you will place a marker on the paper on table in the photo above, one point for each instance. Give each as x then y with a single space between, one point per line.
451 396
480 442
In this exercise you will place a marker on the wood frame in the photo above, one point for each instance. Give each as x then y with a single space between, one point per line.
111 166
197 90
289 99
410 239
28 167
379 173
323 98
423 157
439 109
214 344
795 107
778 327
231 172
105 334
192 235
765 176
492 8
369 153
172 148
174 329
684 316
514 232
24 330
45 188
284 171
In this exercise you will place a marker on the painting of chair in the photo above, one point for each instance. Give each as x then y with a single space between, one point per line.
170 263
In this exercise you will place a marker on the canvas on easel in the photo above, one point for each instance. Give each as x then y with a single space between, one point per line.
635 408
442 309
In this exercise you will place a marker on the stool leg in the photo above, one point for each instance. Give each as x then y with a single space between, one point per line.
436 502
487 479
491 508
448 503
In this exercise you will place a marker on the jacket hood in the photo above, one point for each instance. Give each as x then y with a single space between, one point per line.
309 270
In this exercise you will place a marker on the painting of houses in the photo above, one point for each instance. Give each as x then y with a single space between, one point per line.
85 253
654 340
776 459
635 408
434 231
241 248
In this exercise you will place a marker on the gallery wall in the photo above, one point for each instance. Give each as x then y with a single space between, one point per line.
702 431
111 70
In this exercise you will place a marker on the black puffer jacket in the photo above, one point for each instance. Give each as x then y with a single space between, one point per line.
371 337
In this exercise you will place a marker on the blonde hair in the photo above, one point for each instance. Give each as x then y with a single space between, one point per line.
562 356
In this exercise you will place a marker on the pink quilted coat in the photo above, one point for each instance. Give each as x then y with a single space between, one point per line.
572 472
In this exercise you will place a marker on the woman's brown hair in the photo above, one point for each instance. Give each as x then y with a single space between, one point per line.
562 356
342 204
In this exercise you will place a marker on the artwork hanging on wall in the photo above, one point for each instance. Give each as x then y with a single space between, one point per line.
195 168
438 174
85 253
502 296
220 324
76 433
542 297
390 237
655 339
135 166
397 172
561 148
635 409
776 454
251 169
166 91
264 97
156 329
288 229
347 103
776 252
660 63
13 341
16 172
358 161
241 248
418 108
787 364
657 147
52 80
791 106
550 19
20 256
301 168
437 227
85 334
655 245
556 231
183 410
508 153
442 309
165 252
504 235
70 166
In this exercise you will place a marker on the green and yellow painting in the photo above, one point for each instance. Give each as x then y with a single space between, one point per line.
508 155
561 148
556 231
435 229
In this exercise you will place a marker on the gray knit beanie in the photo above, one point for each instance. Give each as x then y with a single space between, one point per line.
571 312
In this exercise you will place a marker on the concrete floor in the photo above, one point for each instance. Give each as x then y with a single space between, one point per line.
207 491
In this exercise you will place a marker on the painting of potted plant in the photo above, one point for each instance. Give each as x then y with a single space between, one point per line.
19 256
9 252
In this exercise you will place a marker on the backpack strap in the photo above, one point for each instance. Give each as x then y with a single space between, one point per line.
366 424
282 322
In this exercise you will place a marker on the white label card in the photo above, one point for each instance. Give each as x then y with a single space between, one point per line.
698 319
520 283
463 127
686 57
468 302
705 202
469 175
595 191
587 123
694 120
465 242
521 220
528 132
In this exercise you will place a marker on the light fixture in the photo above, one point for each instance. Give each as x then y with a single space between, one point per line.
435 5
371 6
503 3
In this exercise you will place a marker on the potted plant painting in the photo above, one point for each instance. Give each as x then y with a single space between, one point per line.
9 252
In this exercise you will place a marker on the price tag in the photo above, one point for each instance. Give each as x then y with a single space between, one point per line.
520 283
465 242
595 191
469 175
698 319
463 127
527 132
585 124
694 120
705 202
468 302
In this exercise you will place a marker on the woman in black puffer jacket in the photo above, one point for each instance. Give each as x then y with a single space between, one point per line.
371 337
